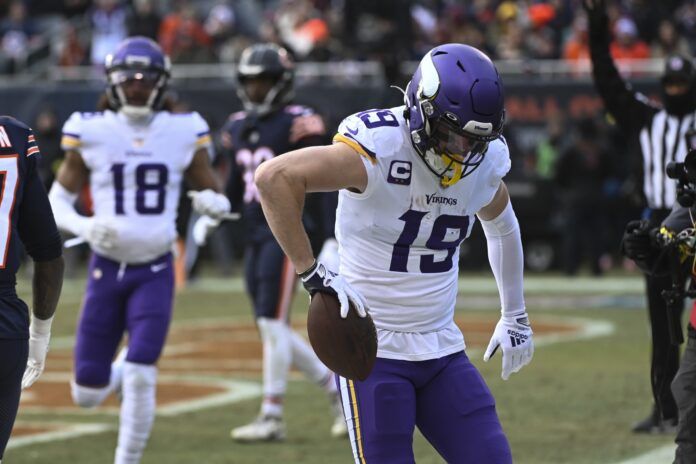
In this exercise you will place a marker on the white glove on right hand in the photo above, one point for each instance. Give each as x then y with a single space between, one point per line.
209 203
319 279
100 232
514 335
204 226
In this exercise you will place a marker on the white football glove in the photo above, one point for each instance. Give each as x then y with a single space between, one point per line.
209 203
39 336
514 335
320 279
204 226
329 254
100 231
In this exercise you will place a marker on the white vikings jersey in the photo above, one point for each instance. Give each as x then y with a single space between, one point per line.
399 239
135 175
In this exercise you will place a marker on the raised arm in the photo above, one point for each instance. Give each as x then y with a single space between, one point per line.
630 110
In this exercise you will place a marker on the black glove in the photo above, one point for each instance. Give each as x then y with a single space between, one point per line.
320 279
597 18
637 243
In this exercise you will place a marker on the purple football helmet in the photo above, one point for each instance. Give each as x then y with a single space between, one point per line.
137 58
454 108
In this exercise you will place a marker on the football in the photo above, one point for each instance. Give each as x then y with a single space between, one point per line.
346 346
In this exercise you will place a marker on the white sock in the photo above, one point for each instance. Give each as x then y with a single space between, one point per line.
277 357
137 411
88 397
308 363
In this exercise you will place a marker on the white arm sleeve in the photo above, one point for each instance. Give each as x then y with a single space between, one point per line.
507 259
63 205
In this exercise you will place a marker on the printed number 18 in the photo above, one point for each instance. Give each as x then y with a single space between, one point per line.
149 177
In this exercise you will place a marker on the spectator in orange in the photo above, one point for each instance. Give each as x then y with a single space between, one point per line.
627 45
577 48
183 37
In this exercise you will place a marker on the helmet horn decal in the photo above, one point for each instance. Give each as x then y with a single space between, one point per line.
454 109
430 83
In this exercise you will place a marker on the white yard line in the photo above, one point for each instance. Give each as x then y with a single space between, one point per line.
661 455
237 390
67 431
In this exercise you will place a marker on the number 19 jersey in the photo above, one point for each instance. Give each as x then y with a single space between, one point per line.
399 239
135 175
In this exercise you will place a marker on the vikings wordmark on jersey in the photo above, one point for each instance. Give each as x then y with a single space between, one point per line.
136 173
408 228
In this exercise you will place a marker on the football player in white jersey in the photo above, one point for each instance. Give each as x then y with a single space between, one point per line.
411 180
134 156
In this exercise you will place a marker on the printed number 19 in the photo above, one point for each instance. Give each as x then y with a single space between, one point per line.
436 241
378 118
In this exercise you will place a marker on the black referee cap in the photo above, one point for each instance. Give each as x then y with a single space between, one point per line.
678 68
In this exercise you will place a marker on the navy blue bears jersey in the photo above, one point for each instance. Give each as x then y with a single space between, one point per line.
25 218
249 141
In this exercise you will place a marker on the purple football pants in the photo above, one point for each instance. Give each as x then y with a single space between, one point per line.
133 298
446 398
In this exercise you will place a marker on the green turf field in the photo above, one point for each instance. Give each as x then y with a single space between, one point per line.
574 404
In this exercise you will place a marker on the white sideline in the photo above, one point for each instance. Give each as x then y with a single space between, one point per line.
661 455
69 431
237 390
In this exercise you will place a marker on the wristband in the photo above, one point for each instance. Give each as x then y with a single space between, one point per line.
306 273
40 326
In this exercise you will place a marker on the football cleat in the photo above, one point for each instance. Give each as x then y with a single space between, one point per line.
653 425
264 428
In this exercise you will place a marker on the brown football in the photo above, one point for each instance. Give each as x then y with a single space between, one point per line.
346 346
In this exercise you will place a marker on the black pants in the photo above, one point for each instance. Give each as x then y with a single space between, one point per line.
665 356
270 280
684 389
13 361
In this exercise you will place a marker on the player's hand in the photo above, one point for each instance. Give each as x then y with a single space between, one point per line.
101 232
636 243
320 279
514 336
209 203
204 226
39 336
329 254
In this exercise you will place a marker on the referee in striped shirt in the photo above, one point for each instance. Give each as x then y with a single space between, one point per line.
662 134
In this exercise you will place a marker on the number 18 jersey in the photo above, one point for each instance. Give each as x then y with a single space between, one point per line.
135 175
399 239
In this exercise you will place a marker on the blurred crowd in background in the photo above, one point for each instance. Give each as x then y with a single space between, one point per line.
584 171
81 32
